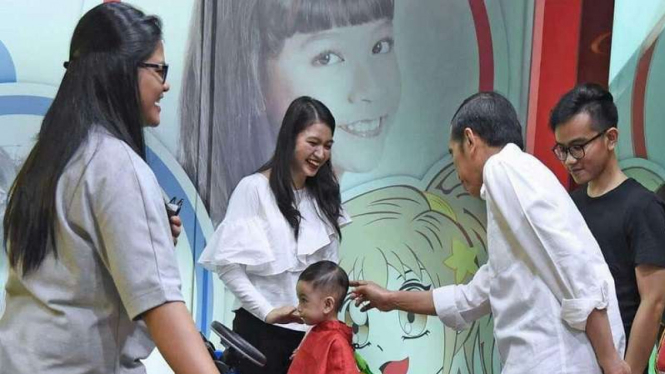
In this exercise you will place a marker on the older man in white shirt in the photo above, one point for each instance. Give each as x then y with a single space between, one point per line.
546 283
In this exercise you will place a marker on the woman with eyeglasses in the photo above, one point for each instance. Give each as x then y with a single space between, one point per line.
93 283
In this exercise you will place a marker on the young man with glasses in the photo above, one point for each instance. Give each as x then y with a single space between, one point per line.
627 220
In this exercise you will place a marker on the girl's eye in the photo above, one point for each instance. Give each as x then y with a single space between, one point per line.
383 46
358 322
412 324
327 58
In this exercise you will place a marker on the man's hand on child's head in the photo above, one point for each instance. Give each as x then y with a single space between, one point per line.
373 295
284 314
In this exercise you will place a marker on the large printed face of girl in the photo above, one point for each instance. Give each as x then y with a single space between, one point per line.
397 342
353 70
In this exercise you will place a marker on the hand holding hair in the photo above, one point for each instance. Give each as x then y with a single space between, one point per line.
373 295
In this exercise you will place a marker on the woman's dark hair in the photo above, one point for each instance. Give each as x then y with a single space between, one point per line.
491 116
100 87
588 98
324 187
328 277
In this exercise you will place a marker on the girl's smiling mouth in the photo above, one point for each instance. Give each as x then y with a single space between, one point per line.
365 128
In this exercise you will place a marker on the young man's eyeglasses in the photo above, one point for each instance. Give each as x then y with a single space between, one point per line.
576 151
161 69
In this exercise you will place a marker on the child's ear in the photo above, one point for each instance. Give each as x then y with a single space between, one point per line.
328 304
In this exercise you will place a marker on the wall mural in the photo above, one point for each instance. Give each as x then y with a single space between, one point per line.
392 73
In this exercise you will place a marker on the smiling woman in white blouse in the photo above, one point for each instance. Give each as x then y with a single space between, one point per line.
280 220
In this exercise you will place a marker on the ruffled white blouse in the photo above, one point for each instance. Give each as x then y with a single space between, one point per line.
255 252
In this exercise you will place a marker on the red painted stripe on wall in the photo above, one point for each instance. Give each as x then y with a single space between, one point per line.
485 52
638 101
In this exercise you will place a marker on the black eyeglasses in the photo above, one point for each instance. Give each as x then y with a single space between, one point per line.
161 69
577 151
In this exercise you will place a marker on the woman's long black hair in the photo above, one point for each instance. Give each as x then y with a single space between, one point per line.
324 187
100 87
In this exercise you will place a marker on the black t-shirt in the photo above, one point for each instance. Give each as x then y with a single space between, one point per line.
629 225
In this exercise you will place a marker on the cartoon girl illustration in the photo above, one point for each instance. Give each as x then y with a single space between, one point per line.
470 211
406 239
249 59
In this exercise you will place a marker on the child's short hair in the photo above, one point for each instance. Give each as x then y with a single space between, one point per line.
329 277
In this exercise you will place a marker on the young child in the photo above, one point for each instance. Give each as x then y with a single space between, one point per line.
326 349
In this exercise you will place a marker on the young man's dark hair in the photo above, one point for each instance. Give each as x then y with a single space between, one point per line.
588 98
329 277
491 117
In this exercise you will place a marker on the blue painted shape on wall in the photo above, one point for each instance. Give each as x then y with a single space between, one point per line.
7 68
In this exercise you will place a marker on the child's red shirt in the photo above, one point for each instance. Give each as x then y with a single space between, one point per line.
326 350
